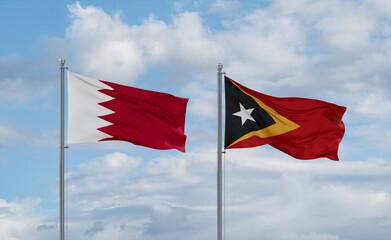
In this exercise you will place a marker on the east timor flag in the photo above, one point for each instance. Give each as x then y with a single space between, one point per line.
303 128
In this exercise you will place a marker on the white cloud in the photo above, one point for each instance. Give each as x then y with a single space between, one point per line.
224 6
175 196
165 219
8 133
203 101
371 136
23 81
311 236
123 53
262 45
381 7
288 48
372 105
341 25
20 219
239 164
104 44
264 194
347 25
112 165
310 48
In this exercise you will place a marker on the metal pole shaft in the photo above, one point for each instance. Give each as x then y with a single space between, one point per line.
62 146
219 154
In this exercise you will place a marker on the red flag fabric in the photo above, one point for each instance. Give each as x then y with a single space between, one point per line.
142 117
145 118
303 128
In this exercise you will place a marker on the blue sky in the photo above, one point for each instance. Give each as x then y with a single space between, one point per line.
337 51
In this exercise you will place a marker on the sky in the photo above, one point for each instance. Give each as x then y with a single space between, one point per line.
336 51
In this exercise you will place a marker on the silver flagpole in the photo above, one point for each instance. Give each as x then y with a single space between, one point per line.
62 146
219 154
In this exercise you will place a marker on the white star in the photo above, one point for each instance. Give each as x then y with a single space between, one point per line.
244 114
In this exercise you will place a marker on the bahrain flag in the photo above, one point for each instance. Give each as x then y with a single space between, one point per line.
100 111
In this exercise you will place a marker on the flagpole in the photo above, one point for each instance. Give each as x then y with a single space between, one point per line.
62 147
219 153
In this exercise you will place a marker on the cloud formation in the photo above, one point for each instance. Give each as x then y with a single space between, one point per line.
20 219
337 51
308 49
174 197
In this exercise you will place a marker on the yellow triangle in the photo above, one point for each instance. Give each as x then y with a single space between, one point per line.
281 126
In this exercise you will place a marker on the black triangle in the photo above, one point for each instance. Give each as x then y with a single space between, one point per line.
234 129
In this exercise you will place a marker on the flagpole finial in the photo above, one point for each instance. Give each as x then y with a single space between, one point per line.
219 67
62 61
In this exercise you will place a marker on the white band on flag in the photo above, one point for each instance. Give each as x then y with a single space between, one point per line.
84 109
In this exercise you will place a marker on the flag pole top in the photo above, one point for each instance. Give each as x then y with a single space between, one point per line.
62 61
219 67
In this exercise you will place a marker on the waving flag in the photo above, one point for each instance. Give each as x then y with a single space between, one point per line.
303 128
100 111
